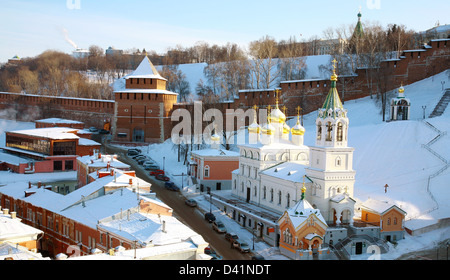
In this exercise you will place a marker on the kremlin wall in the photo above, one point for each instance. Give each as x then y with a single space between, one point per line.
141 112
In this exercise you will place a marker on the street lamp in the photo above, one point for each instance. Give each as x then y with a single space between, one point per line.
164 162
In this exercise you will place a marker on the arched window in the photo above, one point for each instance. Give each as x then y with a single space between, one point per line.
389 221
338 161
340 132
206 174
288 198
329 132
395 221
279 197
319 131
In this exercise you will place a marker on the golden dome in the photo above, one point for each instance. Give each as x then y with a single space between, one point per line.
277 116
298 129
268 129
215 137
254 128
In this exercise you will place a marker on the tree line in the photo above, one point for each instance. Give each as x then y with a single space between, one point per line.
229 68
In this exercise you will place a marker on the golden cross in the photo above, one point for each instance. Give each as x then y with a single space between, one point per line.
334 64
284 109
299 109
255 107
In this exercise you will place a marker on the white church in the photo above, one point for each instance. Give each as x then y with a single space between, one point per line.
275 163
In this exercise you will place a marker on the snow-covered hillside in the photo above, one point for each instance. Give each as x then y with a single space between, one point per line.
392 153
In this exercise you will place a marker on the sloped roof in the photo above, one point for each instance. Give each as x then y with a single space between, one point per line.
145 70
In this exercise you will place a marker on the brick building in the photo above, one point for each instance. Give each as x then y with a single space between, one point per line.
143 106
45 149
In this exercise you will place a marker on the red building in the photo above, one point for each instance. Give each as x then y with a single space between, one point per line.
45 150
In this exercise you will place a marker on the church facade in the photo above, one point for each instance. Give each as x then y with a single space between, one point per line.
272 169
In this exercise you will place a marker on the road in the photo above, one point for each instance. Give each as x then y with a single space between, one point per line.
189 216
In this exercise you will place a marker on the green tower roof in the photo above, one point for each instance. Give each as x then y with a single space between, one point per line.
333 101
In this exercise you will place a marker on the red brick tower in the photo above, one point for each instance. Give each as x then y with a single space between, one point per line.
142 107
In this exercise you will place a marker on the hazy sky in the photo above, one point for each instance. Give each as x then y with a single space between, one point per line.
29 27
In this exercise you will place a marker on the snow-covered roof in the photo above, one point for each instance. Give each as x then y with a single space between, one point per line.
215 153
58 120
303 210
289 171
88 142
145 70
12 228
133 90
378 206
55 133
152 229
101 160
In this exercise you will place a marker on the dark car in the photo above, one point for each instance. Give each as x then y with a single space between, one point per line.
257 257
103 131
230 236
162 177
191 202
241 246
210 217
132 153
171 186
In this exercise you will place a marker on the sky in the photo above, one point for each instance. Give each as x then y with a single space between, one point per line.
29 27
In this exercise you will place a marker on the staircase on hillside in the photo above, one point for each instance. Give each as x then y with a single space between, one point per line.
442 105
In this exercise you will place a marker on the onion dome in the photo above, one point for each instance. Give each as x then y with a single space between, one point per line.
268 129
401 92
215 137
254 128
298 129
277 116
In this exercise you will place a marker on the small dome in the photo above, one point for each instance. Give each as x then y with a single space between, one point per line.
277 116
254 128
215 137
298 129
268 129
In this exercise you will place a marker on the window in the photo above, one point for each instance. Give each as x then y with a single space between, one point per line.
264 192
389 221
279 197
340 133
319 131
68 165
395 221
329 131
206 174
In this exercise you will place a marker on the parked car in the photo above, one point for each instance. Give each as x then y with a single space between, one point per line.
219 227
156 172
171 186
241 246
137 157
132 153
93 129
231 236
103 131
150 166
257 257
191 202
141 161
210 217
162 177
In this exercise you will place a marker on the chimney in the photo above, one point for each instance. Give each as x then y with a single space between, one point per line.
39 185
5 211
131 181
13 215
111 172
29 185
99 155
107 166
